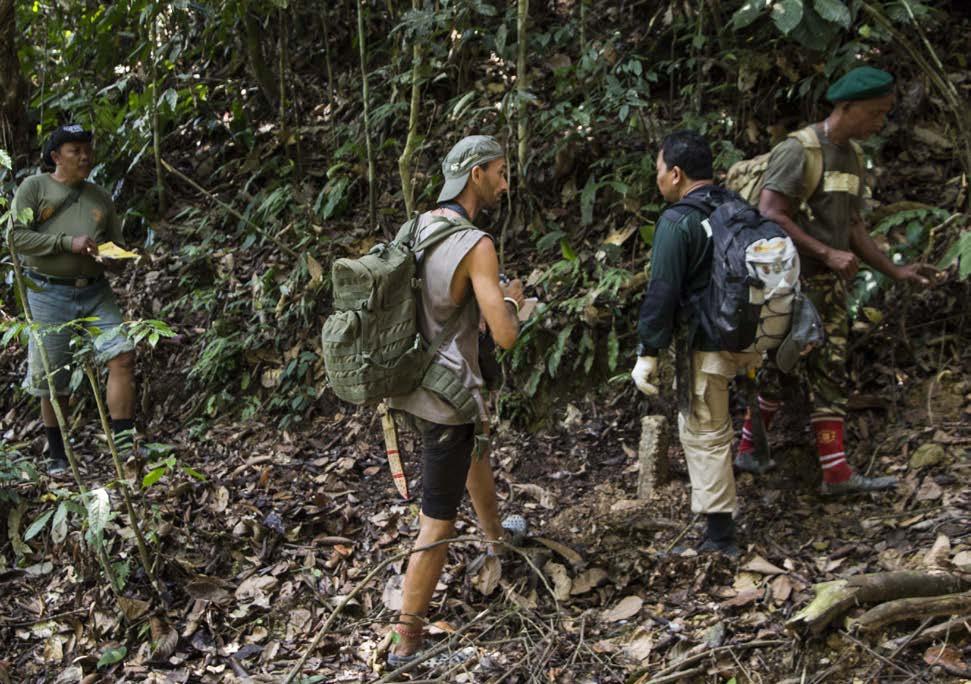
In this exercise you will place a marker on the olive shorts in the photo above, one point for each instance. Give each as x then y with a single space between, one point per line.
53 305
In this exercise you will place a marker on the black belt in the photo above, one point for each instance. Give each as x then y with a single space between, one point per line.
83 281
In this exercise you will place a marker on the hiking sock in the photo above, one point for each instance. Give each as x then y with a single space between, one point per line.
55 443
829 447
123 430
721 528
768 409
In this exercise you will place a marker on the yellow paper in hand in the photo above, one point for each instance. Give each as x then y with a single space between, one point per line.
109 250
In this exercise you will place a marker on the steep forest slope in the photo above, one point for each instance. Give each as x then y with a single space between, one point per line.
235 138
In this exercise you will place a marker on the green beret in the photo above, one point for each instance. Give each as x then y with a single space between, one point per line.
862 83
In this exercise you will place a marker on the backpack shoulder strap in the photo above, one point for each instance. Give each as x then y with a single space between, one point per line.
694 203
812 169
443 227
861 164
72 197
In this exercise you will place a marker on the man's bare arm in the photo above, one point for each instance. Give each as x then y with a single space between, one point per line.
863 244
482 266
777 207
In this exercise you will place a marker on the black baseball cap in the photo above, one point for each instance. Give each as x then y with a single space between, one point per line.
64 134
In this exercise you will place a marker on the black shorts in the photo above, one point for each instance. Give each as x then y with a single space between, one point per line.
446 457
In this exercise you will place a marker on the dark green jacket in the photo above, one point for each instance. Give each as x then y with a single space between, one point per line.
680 268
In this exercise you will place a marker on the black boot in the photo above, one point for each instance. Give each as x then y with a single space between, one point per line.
720 536
55 449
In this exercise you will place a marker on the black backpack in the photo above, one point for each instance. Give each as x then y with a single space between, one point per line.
747 304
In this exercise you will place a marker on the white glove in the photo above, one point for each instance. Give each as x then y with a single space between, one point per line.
644 371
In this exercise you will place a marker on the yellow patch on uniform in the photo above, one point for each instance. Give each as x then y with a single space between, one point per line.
827 436
46 213
837 181
97 215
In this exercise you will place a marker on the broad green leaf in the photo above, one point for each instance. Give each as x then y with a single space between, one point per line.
15 329
59 524
787 14
37 526
99 510
549 240
748 13
833 11
153 476
13 528
193 473
556 354
567 251
613 349
170 98
529 389
5 161
459 108
588 197
110 656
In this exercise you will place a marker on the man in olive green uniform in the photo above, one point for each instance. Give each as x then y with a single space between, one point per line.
832 238
70 218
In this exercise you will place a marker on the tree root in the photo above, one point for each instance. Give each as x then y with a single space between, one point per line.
912 609
833 599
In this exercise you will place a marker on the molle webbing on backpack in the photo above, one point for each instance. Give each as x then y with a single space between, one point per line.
371 343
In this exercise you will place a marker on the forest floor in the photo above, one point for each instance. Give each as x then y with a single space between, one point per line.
255 557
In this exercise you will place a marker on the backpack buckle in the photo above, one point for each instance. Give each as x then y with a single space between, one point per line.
416 283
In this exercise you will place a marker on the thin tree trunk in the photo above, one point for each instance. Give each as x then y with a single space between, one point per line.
372 209
156 135
330 72
521 84
411 142
134 519
254 53
14 129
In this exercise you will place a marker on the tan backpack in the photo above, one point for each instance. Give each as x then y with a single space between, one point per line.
745 177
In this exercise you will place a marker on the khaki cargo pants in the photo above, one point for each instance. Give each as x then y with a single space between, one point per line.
706 430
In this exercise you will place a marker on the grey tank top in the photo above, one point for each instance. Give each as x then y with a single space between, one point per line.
436 267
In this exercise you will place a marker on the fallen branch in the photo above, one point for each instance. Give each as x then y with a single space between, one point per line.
912 609
833 599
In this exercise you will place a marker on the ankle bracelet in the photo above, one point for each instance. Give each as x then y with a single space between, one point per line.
408 632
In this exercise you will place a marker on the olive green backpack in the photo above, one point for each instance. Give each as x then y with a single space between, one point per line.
371 343
745 177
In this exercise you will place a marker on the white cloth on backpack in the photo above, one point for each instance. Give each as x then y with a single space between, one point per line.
461 353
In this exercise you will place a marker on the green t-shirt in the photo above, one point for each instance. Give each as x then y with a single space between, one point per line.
837 198
48 250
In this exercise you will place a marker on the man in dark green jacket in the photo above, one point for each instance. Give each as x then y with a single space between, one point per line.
681 266
58 246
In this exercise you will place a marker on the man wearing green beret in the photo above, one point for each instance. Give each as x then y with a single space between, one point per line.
821 210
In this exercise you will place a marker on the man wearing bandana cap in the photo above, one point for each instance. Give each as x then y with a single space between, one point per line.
459 282
58 246
827 226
